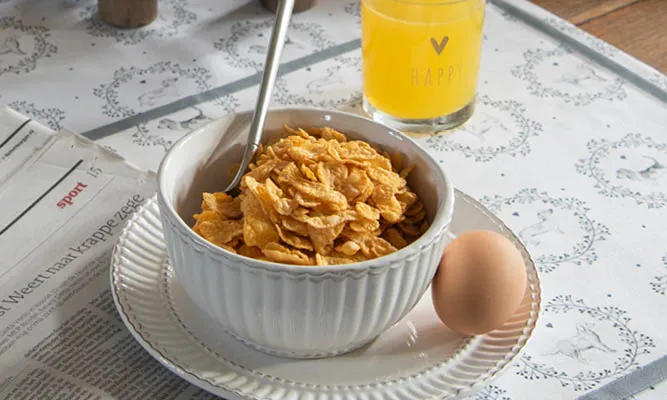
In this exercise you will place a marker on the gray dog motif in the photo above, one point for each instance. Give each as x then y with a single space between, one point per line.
547 223
257 48
185 124
582 73
647 174
329 80
585 340
11 45
481 128
166 87
261 49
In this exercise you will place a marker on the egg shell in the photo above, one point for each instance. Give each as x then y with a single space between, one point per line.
480 282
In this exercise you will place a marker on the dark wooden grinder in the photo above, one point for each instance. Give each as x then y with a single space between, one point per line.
128 14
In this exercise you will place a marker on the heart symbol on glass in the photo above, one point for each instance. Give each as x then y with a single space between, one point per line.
439 47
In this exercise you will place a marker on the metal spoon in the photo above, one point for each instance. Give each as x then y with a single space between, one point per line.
284 13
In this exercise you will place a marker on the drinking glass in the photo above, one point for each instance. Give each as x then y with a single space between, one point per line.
421 61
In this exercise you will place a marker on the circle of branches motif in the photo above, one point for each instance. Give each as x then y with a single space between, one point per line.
354 9
536 86
636 344
51 117
178 15
490 392
143 137
600 149
659 283
582 252
244 29
228 102
109 92
42 47
524 129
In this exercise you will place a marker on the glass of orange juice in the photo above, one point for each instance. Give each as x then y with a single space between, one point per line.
421 61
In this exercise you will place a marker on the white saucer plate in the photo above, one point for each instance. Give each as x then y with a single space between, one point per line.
418 358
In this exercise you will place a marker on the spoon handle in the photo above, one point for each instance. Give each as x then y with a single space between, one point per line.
272 64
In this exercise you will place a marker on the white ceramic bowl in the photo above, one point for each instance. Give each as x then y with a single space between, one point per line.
287 310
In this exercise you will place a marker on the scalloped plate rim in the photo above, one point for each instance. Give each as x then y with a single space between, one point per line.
231 394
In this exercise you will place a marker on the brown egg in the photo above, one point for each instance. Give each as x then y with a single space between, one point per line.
480 282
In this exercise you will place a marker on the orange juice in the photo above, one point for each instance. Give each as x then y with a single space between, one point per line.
421 57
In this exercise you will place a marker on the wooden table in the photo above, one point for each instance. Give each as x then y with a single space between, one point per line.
638 27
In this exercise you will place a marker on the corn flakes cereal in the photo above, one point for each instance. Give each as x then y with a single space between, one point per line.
315 197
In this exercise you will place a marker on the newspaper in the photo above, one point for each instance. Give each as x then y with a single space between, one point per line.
64 201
